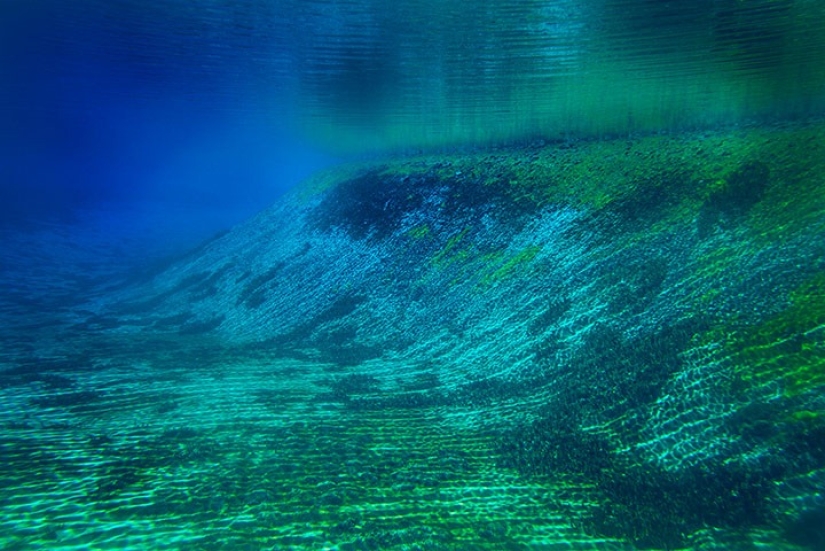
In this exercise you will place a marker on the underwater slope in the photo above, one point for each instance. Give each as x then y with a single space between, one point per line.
568 344
638 313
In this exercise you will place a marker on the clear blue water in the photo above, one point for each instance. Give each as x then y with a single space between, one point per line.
233 102
562 291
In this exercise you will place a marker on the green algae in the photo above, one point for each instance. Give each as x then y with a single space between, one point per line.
807 416
786 347
492 265
451 252
386 469
668 179
510 266
419 232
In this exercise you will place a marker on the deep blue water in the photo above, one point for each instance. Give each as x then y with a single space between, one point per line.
139 104
227 104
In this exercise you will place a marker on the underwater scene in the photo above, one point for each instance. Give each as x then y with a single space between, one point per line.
361 275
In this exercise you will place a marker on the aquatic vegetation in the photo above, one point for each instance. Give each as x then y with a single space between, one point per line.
511 265
786 347
420 232
734 198
650 507
371 204
589 343
450 248
806 415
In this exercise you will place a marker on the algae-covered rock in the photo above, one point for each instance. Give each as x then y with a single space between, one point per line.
620 319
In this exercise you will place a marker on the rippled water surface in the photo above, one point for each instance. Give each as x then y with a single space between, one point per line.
359 75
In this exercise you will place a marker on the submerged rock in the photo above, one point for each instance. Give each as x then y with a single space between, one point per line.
605 310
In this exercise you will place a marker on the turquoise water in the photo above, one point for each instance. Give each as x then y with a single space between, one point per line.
424 354
562 288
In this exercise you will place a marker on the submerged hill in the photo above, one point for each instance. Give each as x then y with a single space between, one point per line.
574 343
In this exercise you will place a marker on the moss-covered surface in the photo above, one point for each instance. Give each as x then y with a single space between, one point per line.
578 345
787 348
771 176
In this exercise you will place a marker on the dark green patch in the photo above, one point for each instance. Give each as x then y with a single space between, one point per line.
37 457
375 203
166 407
372 204
803 445
74 363
341 307
653 508
345 389
756 422
807 530
115 478
617 378
363 392
554 446
397 400
98 441
613 375
498 191
24 374
357 383
650 199
742 190
276 399
660 510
